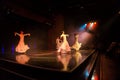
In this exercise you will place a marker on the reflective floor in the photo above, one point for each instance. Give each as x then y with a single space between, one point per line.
36 65
53 65
50 59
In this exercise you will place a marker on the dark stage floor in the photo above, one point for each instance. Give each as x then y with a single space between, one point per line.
47 62
50 59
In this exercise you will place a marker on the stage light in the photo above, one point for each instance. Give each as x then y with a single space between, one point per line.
91 26
83 27
86 74
87 26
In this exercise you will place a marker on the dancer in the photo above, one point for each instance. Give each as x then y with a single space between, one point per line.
64 47
21 47
76 46
58 42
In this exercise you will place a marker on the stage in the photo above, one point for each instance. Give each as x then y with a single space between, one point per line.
37 65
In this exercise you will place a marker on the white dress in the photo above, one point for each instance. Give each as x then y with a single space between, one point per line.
76 46
21 47
64 47
58 43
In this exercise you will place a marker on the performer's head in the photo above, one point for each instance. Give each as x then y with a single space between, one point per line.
63 32
76 35
21 32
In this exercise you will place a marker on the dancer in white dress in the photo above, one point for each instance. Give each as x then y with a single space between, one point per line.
21 47
76 46
58 42
64 47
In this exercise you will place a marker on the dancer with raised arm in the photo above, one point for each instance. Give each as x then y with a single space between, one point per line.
64 47
21 47
76 46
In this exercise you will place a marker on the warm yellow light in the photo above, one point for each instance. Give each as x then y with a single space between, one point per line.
95 23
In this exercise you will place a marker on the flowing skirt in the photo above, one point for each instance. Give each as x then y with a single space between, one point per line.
21 48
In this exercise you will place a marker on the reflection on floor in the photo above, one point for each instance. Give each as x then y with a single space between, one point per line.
53 60
22 58
48 60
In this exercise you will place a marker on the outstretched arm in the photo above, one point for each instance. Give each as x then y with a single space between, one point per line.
27 34
67 35
16 33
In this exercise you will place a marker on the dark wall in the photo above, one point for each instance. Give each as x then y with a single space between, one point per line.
11 23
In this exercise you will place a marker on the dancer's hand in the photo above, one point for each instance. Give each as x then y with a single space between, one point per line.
28 34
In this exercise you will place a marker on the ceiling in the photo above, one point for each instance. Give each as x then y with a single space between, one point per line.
48 8
84 7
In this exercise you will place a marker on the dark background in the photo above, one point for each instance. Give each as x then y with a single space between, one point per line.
45 20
